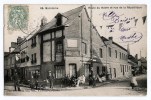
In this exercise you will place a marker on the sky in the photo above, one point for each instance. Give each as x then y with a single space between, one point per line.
102 16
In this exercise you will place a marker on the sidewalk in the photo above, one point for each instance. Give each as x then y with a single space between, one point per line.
59 87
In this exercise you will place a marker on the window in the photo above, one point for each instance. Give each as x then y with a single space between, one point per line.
53 51
121 68
59 20
125 68
59 47
109 51
33 58
72 70
46 36
84 48
101 55
33 43
23 56
59 51
46 51
116 53
58 33
59 71
52 35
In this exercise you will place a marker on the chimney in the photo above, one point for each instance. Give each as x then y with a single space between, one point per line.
136 56
9 49
43 21
19 40
110 40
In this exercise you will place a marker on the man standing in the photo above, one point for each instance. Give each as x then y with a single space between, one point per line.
51 79
16 81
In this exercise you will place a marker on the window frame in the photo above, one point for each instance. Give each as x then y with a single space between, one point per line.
101 52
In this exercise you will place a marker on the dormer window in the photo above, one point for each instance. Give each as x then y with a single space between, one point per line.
59 19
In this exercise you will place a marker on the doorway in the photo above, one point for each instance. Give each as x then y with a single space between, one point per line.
72 70
114 72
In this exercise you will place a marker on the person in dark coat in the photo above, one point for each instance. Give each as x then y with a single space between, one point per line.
16 82
94 80
90 80
51 80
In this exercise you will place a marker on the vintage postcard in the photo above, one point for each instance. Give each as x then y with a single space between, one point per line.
75 50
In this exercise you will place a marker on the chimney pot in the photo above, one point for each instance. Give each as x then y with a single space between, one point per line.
111 38
43 21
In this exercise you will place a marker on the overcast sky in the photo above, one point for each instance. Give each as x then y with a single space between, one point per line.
100 22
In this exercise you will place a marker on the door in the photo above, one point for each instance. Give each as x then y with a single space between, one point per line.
114 72
110 72
72 70
87 68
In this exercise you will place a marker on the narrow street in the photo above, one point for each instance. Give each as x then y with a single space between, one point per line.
119 88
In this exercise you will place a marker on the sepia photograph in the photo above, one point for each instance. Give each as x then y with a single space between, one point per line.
75 49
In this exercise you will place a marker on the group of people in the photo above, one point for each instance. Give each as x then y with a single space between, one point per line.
70 81
73 80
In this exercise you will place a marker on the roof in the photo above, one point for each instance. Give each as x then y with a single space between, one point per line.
6 53
105 39
142 59
132 58
70 15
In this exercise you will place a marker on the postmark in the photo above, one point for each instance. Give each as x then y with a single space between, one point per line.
18 17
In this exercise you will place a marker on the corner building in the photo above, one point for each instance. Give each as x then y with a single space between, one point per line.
65 47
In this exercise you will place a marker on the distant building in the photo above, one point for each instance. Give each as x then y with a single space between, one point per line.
9 63
134 63
116 59
142 63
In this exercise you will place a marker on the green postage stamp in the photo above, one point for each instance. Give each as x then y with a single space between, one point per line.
18 17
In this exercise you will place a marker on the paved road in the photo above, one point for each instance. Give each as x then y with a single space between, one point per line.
120 88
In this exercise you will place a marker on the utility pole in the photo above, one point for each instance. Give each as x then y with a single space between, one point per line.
91 47
140 54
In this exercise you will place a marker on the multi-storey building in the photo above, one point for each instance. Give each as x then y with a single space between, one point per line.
9 63
116 59
66 43
63 47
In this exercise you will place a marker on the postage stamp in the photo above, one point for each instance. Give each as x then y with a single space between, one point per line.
18 17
